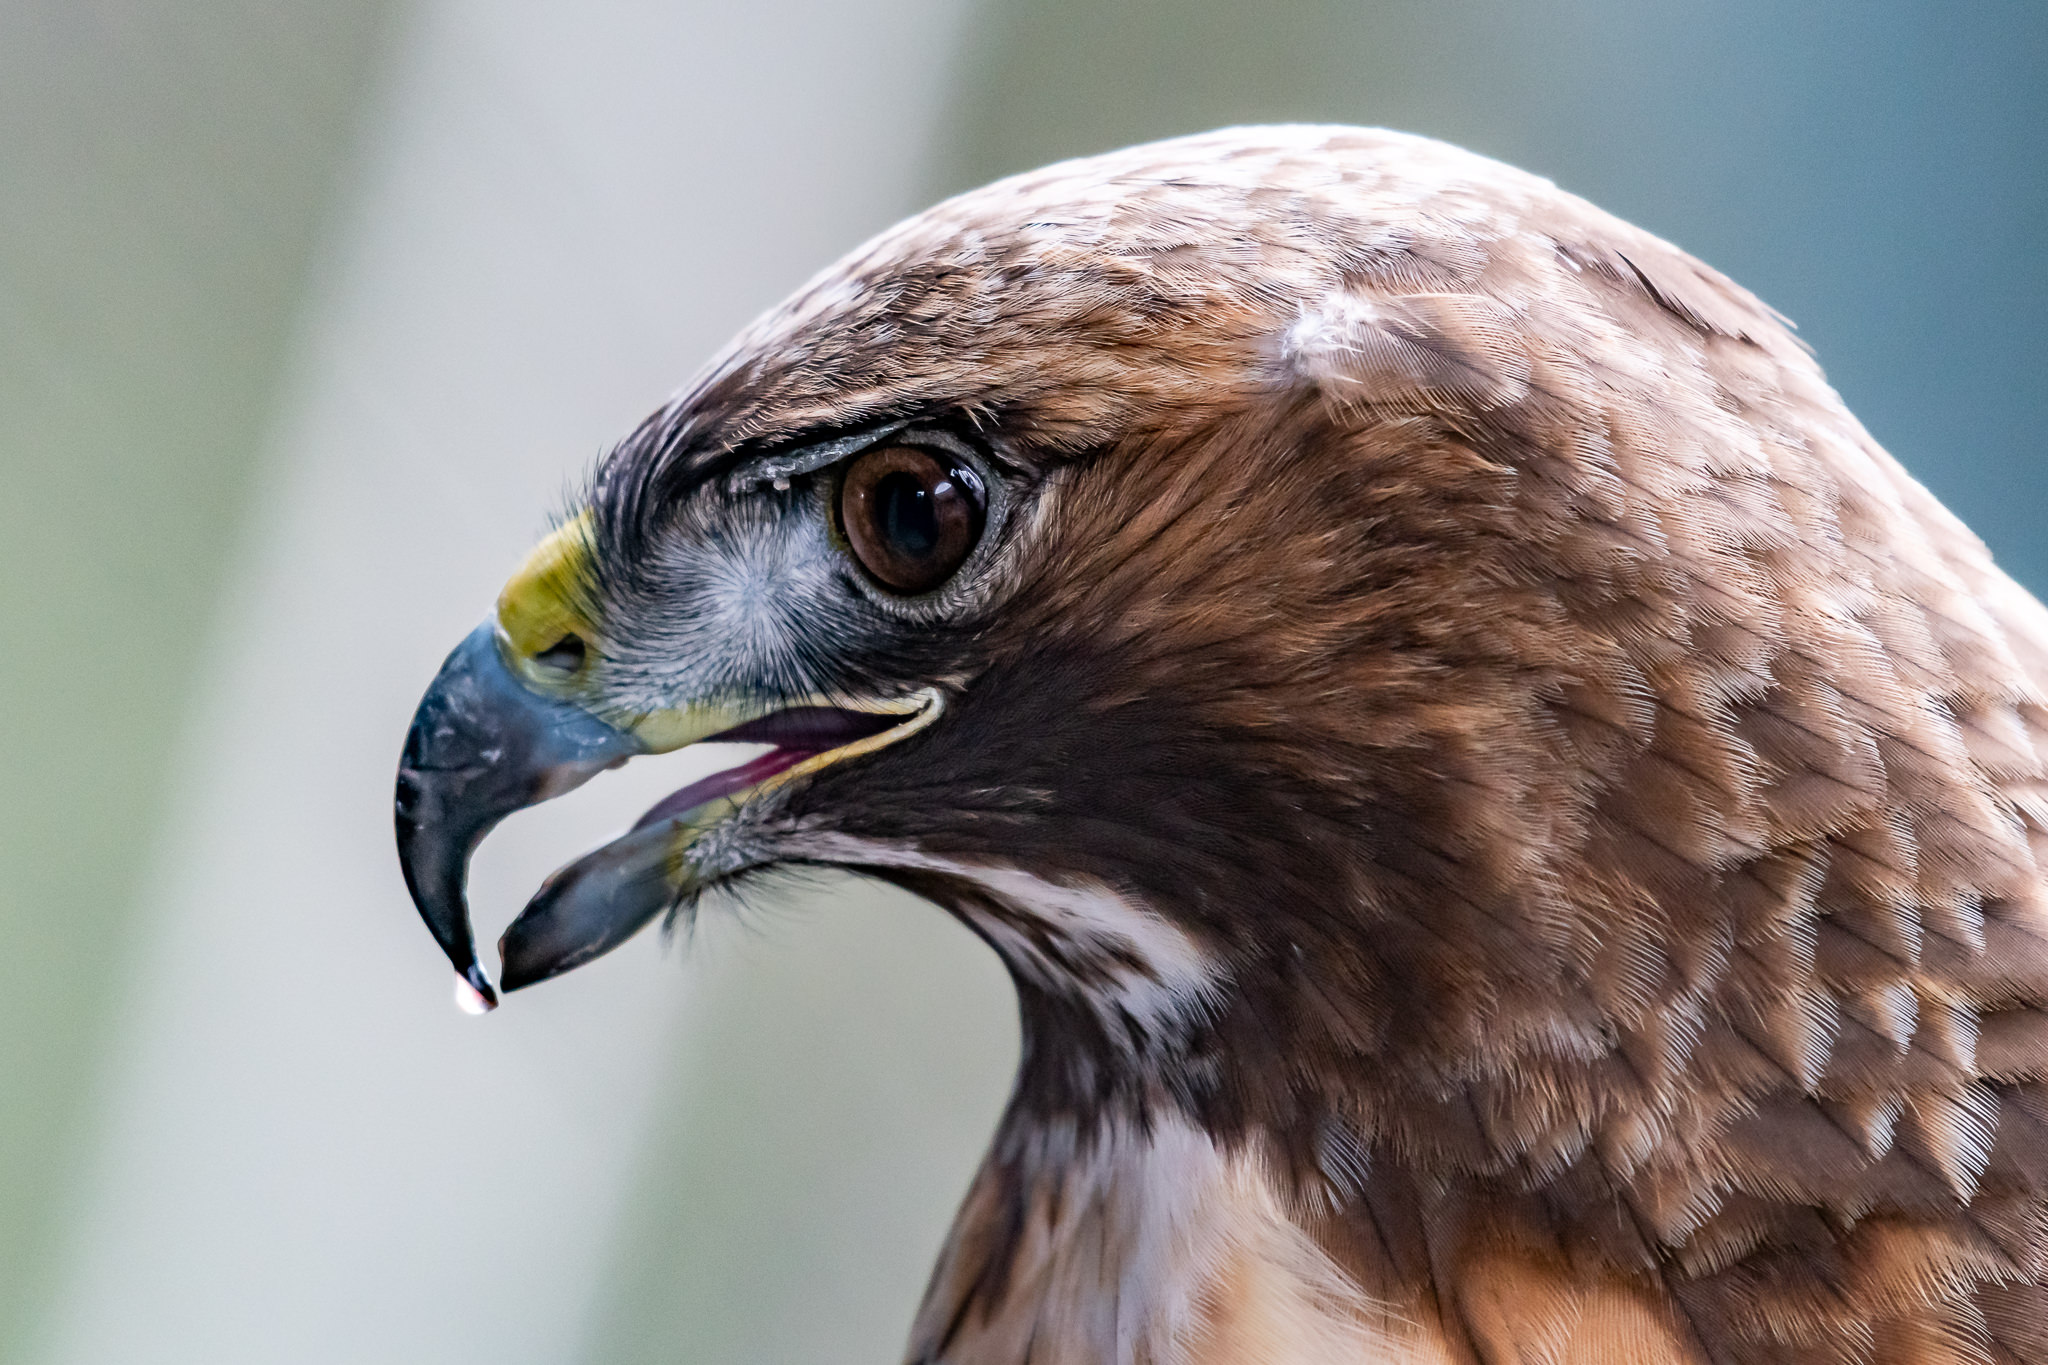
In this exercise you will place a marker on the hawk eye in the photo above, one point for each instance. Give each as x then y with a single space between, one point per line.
911 516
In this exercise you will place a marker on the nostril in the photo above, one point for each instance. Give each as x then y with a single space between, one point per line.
564 655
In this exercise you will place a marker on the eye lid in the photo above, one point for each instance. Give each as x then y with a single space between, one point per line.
784 465
788 464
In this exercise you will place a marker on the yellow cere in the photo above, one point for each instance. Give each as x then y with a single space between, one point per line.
541 602
544 601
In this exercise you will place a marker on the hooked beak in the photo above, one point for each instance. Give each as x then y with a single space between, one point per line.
484 743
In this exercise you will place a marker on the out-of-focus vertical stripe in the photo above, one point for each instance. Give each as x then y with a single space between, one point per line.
165 168
306 1154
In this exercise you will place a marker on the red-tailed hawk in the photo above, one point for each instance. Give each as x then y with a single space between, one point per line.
1514 823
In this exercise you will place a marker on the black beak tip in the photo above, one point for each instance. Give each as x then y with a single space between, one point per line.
473 991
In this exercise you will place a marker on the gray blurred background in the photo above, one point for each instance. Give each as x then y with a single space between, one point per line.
310 309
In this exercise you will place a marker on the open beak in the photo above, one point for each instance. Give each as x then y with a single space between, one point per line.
485 743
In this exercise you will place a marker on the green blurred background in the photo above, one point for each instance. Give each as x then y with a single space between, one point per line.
307 314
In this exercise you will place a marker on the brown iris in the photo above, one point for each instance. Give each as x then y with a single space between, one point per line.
911 517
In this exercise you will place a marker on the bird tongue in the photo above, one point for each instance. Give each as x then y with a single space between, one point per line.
721 784
797 732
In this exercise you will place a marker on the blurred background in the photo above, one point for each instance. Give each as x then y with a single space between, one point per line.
309 312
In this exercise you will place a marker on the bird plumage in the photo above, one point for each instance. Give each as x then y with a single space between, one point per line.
1513 820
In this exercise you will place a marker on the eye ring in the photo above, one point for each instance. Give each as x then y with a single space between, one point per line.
910 515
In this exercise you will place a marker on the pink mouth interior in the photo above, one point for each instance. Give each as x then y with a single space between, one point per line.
796 733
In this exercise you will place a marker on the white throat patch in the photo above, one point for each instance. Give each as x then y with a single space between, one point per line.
1137 965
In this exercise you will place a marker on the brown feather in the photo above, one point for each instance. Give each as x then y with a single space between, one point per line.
1607 786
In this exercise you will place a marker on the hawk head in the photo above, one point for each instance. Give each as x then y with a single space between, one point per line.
1421 682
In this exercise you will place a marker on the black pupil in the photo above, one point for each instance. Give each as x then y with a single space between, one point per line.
909 514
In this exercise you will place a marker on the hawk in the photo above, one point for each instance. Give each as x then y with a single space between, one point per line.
1516 826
